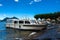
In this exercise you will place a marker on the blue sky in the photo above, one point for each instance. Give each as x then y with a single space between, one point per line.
27 8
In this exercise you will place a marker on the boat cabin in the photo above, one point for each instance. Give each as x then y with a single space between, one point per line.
24 24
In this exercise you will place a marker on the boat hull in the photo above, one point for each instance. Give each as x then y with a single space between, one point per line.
29 27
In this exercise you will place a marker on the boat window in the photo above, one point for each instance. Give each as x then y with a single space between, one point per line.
33 21
27 22
21 22
15 21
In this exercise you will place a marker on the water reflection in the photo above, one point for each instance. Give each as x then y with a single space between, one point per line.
12 34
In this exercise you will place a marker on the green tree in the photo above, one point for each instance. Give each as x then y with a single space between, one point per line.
48 15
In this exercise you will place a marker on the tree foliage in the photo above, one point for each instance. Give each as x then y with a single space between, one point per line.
48 15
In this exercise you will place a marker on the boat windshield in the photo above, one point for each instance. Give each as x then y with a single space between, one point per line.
21 22
27 22
33 21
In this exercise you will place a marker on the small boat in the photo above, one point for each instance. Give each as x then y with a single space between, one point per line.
24 24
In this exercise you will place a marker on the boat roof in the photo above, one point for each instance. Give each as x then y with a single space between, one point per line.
20 20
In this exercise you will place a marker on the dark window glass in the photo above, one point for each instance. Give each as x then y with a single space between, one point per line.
15 22
27 22
21 22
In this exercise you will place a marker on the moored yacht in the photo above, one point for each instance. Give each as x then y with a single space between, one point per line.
25 24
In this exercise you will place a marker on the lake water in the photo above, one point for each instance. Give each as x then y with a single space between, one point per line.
12 34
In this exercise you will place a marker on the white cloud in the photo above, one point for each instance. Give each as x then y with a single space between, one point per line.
37 0
16 0
1 5
31 2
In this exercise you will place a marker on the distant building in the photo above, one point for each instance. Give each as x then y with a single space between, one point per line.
58 18
48 19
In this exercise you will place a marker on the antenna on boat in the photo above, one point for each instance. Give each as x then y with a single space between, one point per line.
25 17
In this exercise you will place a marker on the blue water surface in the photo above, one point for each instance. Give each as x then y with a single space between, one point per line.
2 26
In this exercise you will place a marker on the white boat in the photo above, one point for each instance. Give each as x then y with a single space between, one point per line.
24 24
